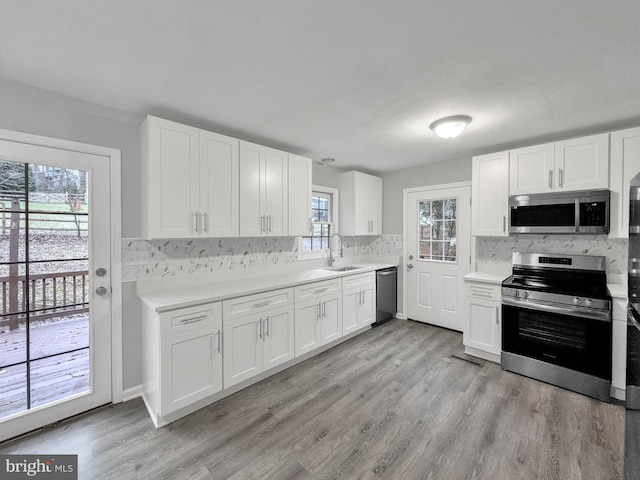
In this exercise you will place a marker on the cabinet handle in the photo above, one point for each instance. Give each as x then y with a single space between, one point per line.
204 222
269 224
194 222
266 327
199 318
261 304
497 312
560 177
550 179
318 311
219 340
320 290
261 223
324 309
504 224
481 293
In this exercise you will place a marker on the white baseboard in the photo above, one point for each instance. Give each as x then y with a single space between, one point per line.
400 316
131 393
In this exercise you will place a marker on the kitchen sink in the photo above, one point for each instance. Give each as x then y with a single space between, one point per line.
345 268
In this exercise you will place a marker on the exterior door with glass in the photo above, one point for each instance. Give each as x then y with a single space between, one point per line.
438 229
55 284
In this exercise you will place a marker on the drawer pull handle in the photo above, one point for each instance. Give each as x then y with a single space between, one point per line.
262 304
320 290
186 321
219 340
481 293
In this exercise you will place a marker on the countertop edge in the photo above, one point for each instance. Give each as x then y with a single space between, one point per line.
181 297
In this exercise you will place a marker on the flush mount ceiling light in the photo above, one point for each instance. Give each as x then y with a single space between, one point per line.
327 161
450 127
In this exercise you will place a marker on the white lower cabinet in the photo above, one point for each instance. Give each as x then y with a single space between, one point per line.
483 320
175 343
318 315
358 302
257 341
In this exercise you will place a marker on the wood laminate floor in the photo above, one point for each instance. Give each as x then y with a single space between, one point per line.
397 402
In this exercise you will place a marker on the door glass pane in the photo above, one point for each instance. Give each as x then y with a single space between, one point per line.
44 286
437 225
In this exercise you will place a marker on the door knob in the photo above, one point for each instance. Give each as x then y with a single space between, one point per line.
101 272
409 266
102 291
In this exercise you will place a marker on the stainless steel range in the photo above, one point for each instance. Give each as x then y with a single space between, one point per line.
556 321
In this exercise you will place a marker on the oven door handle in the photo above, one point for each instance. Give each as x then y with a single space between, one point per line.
632 316
560 310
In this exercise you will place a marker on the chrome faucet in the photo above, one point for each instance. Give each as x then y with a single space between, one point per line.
331 258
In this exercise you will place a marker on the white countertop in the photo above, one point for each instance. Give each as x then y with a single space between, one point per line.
618 290
178 292
486 277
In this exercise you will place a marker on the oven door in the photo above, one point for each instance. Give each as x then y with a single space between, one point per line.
576 343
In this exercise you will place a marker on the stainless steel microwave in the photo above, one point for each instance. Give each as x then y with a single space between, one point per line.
561 212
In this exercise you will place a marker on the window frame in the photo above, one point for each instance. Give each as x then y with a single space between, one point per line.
333 223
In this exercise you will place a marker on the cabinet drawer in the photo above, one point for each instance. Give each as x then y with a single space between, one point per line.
241 306
360 280
190 318
488 291
304 292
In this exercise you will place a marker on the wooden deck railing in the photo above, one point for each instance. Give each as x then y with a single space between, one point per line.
50 295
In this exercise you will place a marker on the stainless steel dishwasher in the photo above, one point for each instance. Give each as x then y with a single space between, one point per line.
386 294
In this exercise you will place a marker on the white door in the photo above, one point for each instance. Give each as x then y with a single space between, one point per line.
252 221
438 227
276 192
307 329
331 318
531 170
55 298
243 349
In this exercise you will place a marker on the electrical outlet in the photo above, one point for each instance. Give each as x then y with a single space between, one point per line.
137 257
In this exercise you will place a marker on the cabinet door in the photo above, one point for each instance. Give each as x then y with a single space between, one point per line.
375 205
170 179
490 195
367 308
219 185
484 325
350 305
252 190
300 192
276 193
243 349
331 318
190 367
531 170
307 326
582 163
625 164
278 336
361 204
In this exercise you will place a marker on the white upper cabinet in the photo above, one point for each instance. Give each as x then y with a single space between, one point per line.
263 191
360 204
576 164
300 192
531 169
219 183
625 164
190 181
490 195
583 163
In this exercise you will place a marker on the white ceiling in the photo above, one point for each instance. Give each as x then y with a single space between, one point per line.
358 80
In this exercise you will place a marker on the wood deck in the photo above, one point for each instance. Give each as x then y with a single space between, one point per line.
400 401
51 378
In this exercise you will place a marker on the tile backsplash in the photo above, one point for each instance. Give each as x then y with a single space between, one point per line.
493 254
143 259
